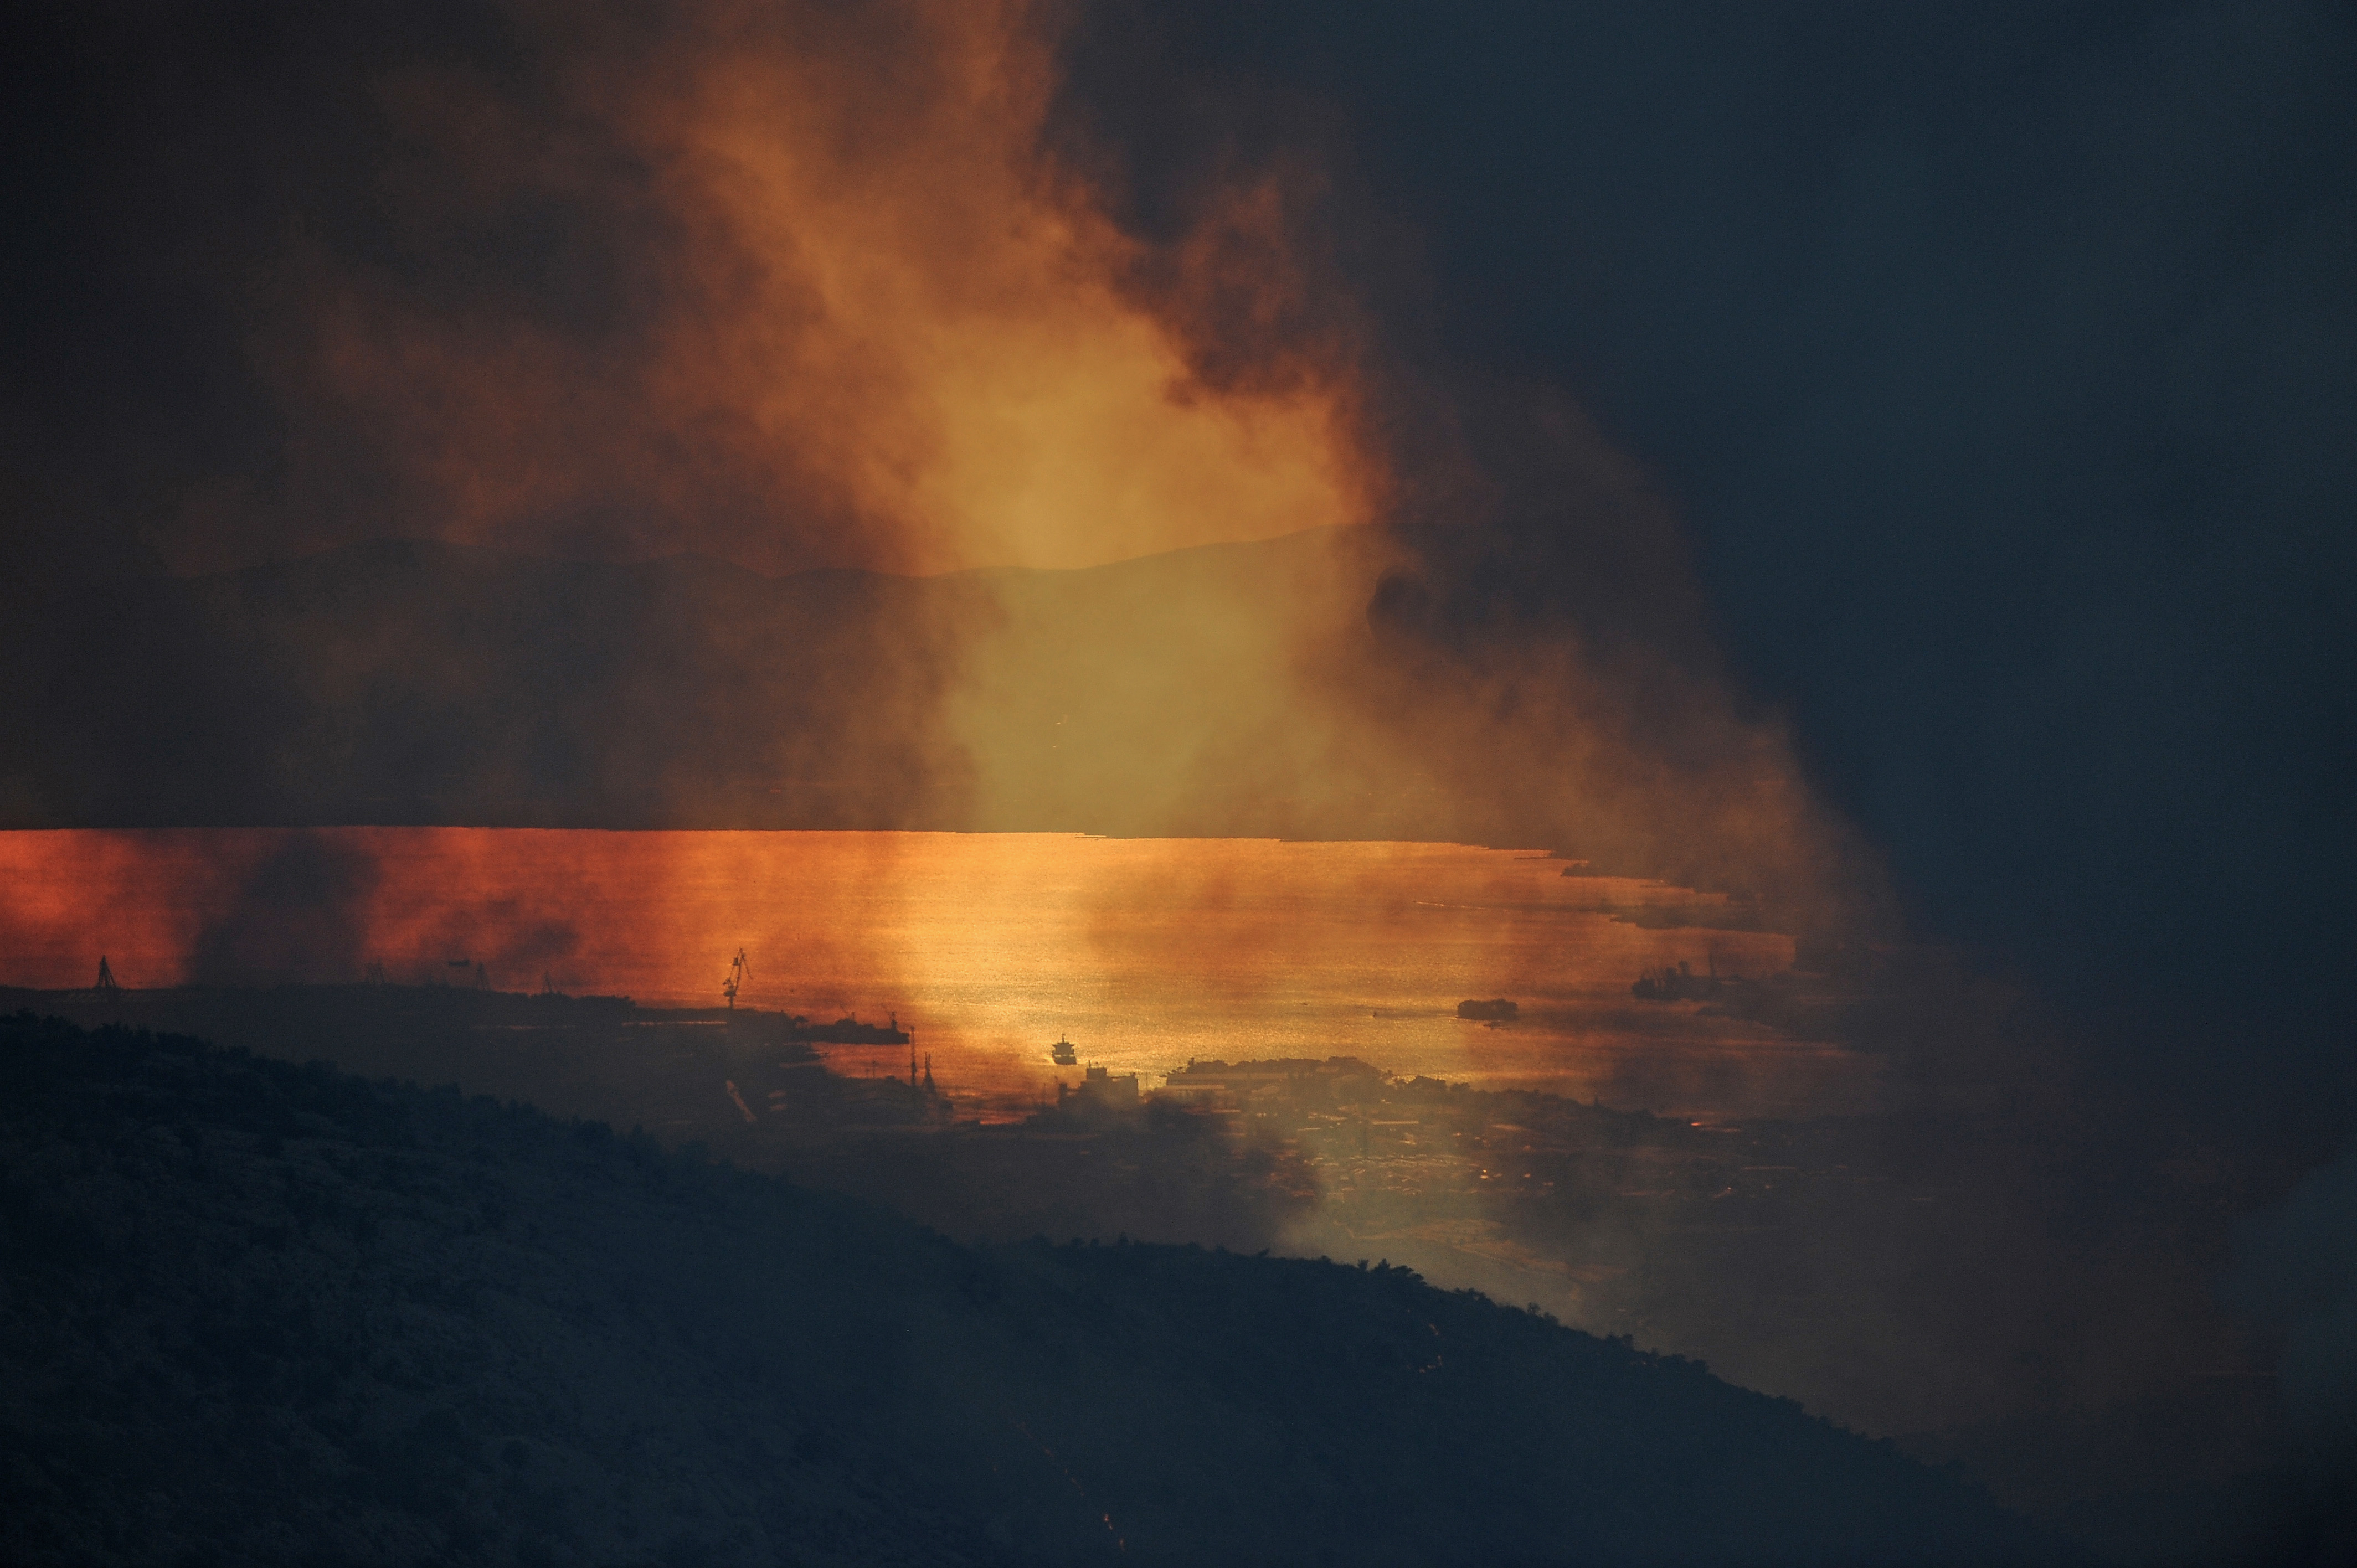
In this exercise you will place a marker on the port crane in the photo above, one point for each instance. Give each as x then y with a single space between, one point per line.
739 971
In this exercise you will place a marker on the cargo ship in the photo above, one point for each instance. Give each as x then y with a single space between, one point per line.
848 1030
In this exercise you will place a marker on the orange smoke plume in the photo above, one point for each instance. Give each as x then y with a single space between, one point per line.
872 323
829 287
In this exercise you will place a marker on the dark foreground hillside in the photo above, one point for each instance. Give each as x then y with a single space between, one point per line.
251 1312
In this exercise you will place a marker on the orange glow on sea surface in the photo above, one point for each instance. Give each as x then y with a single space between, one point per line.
1146 951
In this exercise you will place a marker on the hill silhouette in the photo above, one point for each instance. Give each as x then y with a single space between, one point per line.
257 1312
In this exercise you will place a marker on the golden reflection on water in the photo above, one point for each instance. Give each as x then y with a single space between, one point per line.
1146 951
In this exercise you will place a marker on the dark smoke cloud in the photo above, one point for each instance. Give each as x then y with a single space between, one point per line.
1964 391
2297 1272
1998 361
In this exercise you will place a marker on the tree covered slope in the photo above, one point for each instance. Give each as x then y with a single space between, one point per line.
251 1312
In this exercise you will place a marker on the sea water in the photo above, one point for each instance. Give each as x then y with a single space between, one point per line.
1146 953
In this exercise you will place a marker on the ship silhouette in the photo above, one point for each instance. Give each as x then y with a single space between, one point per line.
848 1030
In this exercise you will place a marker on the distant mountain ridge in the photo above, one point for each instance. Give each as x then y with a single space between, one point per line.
416 683
423 683
1338 684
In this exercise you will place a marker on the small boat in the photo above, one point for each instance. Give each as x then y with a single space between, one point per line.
1065 1053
